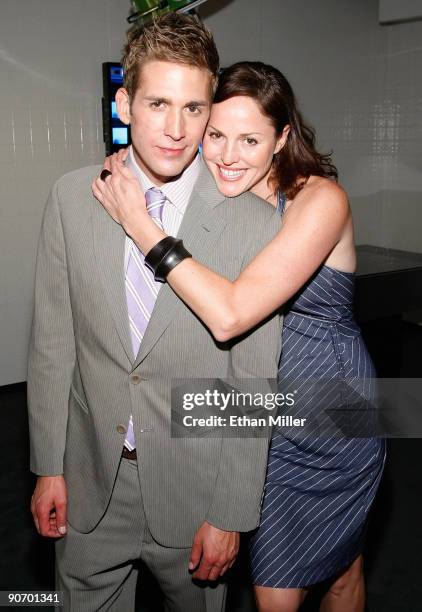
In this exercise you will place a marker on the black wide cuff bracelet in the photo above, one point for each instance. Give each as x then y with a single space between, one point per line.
165 256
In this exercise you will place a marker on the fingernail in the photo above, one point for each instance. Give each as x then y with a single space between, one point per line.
62 530
191 565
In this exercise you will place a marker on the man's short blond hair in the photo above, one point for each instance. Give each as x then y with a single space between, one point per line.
175 37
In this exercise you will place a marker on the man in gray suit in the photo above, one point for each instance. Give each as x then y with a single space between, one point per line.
113 485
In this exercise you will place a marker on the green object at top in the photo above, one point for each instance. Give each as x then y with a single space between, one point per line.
145 10
175 5
145 5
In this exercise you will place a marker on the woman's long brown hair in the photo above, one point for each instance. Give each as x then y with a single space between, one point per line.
298 159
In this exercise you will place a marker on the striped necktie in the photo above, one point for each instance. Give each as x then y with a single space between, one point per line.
141 289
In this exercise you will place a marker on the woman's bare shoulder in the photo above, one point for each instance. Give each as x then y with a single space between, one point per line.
322 196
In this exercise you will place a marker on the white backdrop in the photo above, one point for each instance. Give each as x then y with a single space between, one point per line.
358 84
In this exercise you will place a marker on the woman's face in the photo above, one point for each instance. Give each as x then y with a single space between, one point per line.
239 145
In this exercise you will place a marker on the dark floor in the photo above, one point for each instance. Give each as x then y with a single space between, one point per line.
394 543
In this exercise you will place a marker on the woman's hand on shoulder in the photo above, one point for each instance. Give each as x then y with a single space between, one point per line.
120 193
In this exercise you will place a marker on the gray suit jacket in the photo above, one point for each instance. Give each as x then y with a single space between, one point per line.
81 388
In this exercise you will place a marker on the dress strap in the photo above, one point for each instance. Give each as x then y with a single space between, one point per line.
281 203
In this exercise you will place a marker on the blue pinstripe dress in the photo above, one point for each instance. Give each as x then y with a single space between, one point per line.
318 489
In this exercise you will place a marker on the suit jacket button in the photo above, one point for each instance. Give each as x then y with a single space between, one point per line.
121 429
135 379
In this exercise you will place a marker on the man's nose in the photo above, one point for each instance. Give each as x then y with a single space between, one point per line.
230 154
175 124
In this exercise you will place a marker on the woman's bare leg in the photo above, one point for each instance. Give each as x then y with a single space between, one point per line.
271 599
347 592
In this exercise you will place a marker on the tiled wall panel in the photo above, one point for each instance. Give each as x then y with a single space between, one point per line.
358 83
50 123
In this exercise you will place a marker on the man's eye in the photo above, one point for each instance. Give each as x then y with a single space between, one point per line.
157 104
194 109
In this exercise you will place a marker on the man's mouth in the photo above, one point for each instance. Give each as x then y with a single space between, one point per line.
172 152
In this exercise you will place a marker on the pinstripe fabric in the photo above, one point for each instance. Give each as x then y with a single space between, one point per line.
177 195
96 572
81 383
318 490
141 290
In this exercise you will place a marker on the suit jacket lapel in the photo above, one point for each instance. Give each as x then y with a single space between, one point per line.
109 246
200 229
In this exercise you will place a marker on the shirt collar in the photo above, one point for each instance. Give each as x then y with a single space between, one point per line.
177 191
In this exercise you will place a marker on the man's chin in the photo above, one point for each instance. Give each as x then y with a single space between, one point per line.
172 169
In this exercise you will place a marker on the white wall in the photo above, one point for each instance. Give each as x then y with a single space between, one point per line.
50 122
358 83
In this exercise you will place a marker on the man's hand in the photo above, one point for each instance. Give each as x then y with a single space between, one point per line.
49 506
213 552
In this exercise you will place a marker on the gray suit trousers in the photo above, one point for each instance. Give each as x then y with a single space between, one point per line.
96 571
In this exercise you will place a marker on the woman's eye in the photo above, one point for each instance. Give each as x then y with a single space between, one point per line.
251 141
214 135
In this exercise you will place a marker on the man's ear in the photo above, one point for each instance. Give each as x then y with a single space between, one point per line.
123 105
281 141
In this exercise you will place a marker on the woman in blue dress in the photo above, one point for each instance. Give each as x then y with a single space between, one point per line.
319 488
